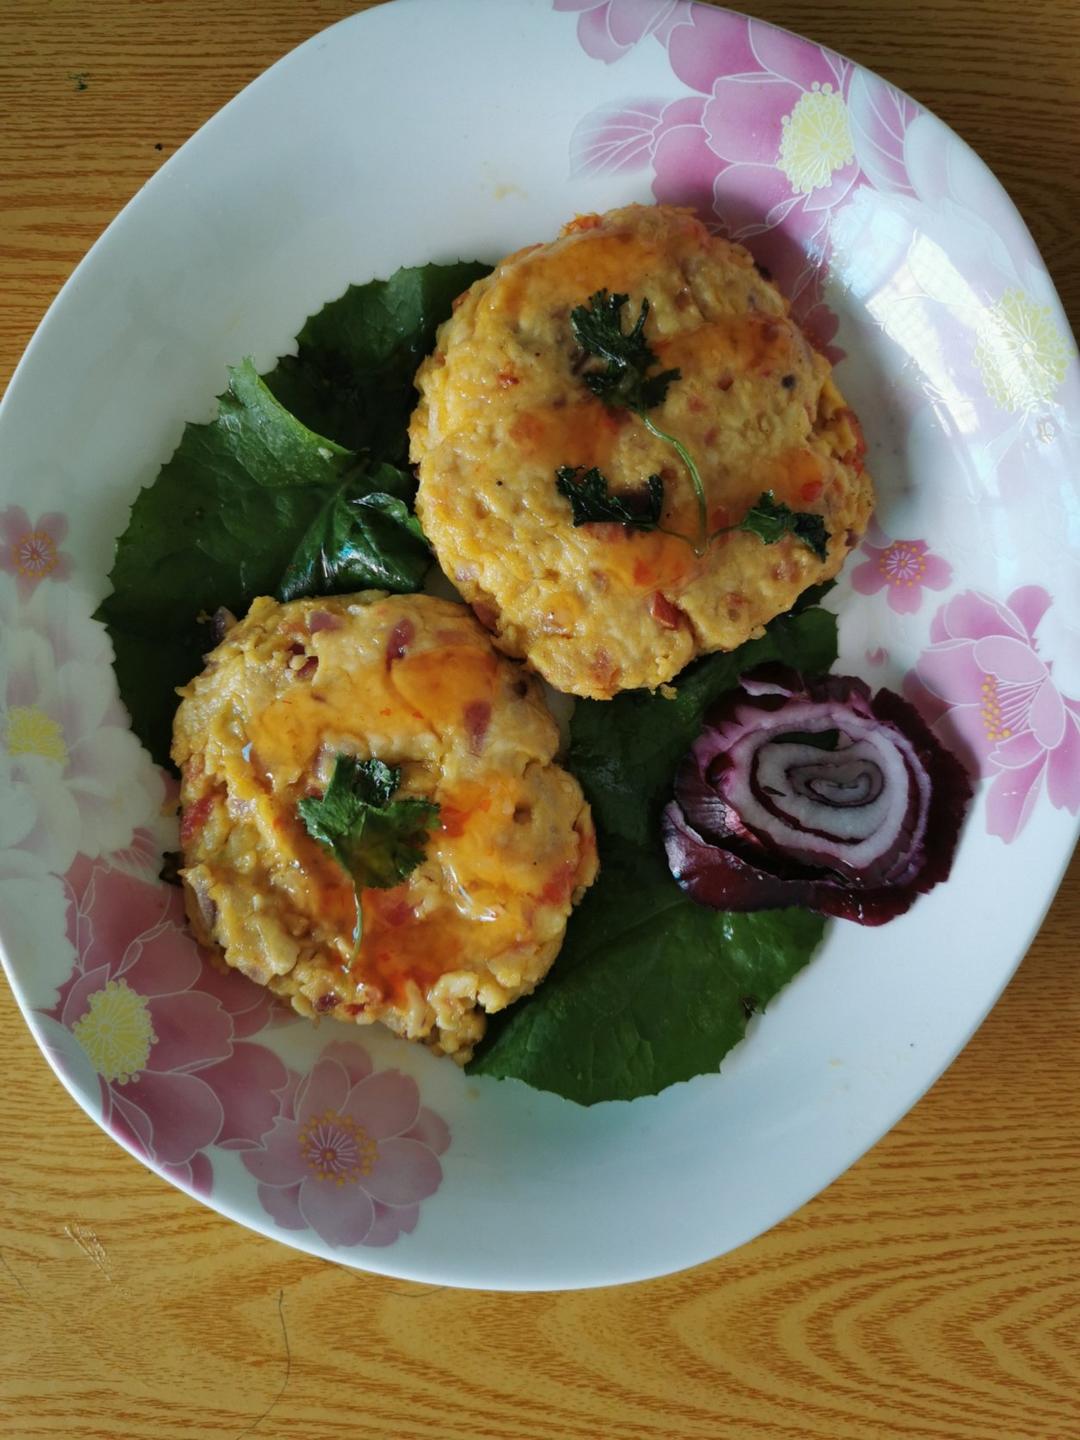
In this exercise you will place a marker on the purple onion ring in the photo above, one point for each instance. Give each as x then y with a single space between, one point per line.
814 793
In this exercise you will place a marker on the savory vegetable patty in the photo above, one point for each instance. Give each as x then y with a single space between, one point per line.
414 682
506 403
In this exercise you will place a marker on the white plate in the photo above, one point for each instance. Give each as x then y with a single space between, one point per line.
427 131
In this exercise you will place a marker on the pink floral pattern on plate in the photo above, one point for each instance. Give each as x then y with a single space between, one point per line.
609 29
766 146
73 776
938 222
165 1034
775 117
352 1155
985 689
30 550
902 568
169 1042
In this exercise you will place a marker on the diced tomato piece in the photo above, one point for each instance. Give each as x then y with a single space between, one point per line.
558 888
664 612
582 222
195 817
486 613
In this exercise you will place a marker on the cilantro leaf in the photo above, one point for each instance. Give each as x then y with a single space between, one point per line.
770 519
378 840
591 499
623 382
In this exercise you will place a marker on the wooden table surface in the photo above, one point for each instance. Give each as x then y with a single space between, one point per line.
932 1291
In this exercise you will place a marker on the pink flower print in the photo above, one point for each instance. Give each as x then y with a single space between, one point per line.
766 146
672 137
161 1033
195 1175
355 1158
684 167
900 567
990 696
609 29
880 117
905 151
772 156
615 137
68 759
778 123
31 550
142 855
936 246
250 1081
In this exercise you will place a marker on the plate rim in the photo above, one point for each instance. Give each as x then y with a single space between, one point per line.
365 1259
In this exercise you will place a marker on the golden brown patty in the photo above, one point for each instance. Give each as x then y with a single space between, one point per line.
413 681
598 609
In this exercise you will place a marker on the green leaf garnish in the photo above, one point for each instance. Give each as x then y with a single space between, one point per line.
376 839
625 751
591 499
245 507
649 987
623 383
296 488
352 375
770 519
812 595
356 542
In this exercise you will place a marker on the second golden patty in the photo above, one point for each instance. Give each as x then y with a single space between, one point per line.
599 608
415 683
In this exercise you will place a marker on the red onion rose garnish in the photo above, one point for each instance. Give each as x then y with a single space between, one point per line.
814 793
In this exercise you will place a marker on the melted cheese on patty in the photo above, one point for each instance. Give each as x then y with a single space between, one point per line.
413 681
598 608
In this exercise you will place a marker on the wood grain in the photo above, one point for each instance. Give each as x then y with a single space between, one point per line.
933 1291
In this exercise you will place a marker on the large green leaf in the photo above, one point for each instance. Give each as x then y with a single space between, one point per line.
651 988
242 509
294 489
351 377
624 751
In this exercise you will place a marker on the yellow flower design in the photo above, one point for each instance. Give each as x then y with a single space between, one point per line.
1020 352
29 731
816 139
117 1032
34 555
336 1148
